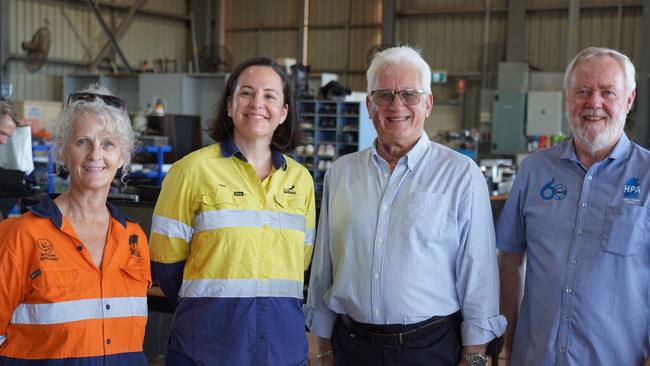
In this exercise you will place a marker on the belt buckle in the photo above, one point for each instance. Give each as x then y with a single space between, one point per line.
381 339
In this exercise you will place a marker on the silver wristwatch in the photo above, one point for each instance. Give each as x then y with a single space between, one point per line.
475 359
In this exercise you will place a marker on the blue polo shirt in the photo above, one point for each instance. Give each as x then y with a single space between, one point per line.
586 236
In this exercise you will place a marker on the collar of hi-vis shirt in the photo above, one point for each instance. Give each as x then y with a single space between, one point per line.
228 149
46 208
620 150
413 156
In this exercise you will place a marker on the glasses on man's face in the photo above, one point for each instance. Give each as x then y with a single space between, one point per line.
89 97
385 97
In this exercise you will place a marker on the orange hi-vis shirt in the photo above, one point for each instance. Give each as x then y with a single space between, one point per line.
56 304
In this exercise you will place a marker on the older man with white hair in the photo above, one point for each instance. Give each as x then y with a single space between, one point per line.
404 270
578 213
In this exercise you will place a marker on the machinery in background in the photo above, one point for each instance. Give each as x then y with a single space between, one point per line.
525 112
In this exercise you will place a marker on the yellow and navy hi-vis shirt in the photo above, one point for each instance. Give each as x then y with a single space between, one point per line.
232 250
57 307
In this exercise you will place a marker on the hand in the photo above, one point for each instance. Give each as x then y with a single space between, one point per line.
647 362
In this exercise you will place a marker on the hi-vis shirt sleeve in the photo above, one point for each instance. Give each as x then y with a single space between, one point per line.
14 272
173 218
310 227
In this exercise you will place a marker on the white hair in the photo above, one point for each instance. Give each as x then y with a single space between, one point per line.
594 52
398 56
116 121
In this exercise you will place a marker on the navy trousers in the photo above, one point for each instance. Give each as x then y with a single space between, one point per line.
442 347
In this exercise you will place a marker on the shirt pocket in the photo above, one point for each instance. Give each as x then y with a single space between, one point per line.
291 218
137 277
55 283
624 230
425 217
218 200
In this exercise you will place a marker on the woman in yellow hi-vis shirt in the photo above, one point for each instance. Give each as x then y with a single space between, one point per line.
233 230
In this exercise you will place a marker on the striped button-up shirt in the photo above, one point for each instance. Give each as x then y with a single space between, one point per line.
403 246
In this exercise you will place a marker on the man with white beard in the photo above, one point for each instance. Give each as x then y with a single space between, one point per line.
578 214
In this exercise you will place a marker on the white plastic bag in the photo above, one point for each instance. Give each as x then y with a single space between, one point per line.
17 153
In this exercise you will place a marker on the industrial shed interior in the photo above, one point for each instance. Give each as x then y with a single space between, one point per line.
497 79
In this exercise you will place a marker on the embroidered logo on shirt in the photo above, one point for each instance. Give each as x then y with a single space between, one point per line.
46 247
550 191
133 246
631 191
290 190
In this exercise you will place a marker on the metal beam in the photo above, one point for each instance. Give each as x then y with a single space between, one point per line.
500 10
4 40
106 30
643 88
303 32
388 22
516 31
119 32
573 35
122 8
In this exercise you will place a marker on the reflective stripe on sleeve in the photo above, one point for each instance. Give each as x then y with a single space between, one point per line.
220 219
170 227
2 339
86 309
309 236
241 288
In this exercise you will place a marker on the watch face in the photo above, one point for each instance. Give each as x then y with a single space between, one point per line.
476 359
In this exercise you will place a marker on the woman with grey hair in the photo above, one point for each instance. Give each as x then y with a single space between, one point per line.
75 270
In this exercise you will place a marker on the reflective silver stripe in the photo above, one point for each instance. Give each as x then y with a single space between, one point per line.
310 234
2 339
241 288
71 311
220 219
170 227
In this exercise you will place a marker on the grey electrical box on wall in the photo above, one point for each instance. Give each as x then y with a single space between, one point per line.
508 118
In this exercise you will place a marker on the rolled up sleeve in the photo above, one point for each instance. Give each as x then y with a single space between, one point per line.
477 272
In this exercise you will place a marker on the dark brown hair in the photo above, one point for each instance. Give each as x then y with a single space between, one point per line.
286 137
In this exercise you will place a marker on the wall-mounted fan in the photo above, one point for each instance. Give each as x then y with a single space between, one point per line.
37 49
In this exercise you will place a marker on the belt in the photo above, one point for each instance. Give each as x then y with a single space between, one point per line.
380 338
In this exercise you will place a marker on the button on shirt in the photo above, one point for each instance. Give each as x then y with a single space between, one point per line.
402 247
584 231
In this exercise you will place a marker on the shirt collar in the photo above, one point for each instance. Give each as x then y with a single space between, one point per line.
568 151
47 209
228 149
414 155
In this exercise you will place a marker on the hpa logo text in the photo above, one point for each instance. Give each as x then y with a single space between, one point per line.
632 189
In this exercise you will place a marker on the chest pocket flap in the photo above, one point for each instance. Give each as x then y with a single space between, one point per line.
294 204
624 230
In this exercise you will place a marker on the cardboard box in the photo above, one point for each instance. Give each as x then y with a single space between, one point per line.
38 113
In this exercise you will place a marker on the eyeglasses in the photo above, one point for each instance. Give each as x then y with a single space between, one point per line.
385 97
89 97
